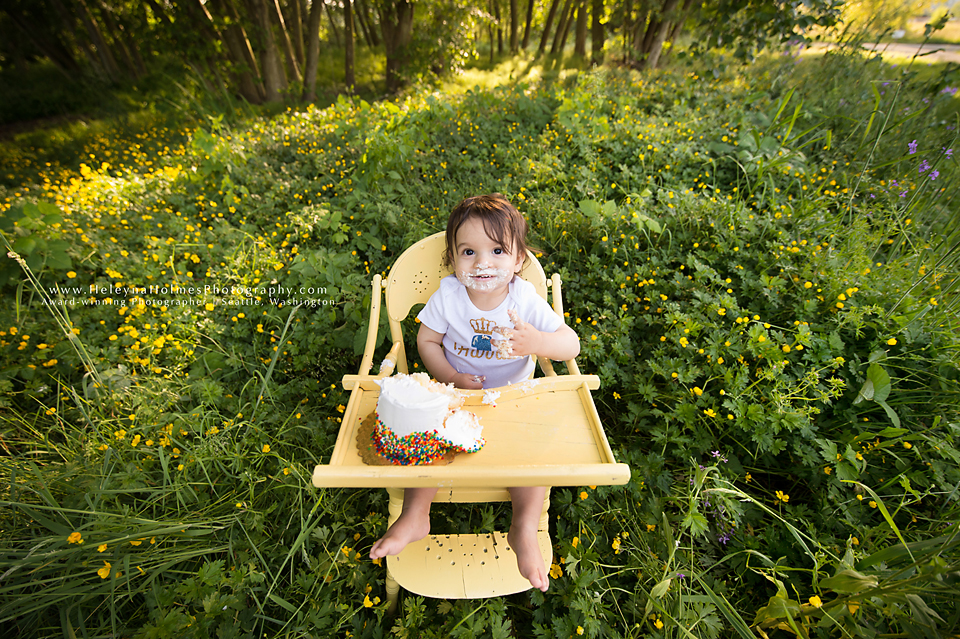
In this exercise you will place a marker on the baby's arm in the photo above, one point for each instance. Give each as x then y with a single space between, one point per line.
430 345
562 344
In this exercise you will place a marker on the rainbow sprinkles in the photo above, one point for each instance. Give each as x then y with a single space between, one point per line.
420 420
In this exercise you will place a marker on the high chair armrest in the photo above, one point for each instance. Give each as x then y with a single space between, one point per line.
387 367
373 327
389 362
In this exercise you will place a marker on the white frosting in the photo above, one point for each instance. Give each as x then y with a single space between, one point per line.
490 397
405 406
413 403
463 429
485 278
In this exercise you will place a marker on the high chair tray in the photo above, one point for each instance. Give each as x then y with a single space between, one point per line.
542 432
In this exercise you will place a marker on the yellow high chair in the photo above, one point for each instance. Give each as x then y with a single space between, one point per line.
542 432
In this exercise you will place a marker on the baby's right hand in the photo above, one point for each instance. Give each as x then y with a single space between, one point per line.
468 381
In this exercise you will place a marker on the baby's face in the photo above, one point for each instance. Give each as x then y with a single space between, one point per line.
480 262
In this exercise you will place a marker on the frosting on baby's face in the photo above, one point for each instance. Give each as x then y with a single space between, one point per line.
481 263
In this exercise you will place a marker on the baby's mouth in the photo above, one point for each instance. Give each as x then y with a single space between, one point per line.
482 277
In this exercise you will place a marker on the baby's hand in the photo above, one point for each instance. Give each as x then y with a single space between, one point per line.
526 340
468 381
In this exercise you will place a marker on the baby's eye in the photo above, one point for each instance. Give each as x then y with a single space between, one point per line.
498 251
468 251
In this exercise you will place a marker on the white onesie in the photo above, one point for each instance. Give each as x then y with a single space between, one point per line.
466 329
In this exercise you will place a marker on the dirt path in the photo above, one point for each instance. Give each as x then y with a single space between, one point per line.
934 52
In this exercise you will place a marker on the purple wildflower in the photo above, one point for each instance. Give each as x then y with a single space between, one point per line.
872 196
934 175
949 153
950 90
912 147
924 165
903 194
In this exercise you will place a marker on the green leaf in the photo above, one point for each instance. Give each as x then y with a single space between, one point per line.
25 245
890 412
777 608
922 612
881 382
849 581
591 208
658 591
283 603
696 523
890 431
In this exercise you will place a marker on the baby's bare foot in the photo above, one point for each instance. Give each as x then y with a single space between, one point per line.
406 529
529 560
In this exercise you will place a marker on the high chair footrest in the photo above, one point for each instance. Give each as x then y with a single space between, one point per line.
463 566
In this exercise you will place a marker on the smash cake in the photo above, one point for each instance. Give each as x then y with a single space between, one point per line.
419 421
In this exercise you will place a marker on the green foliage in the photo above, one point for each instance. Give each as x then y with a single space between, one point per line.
758 269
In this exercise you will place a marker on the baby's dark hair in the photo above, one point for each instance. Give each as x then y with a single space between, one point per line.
501 220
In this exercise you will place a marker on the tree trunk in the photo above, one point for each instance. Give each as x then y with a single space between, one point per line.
313 51
596 32
333 23
287 45
361 8
580 41
359 24
238 34
244 64
548 26
296 25
274 76
96 36
496 18
526 28
490 29
348 49
514 28
656 47
627 17
396 23
678 24
561 28
648 35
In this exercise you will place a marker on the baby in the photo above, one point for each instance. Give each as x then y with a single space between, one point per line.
486 246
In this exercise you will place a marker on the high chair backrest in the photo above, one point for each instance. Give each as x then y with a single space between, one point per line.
416 275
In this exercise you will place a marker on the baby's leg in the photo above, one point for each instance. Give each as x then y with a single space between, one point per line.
527 508
412 524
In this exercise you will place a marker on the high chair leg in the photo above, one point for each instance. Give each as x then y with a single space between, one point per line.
394 508
545 515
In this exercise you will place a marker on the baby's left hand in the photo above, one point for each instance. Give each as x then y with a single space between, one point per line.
526 340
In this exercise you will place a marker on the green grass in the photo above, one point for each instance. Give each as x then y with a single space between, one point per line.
771 310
